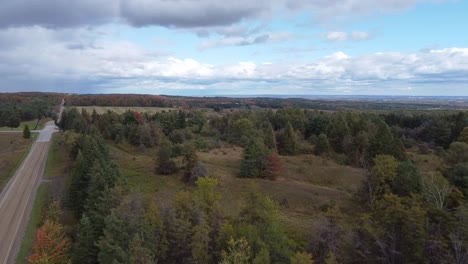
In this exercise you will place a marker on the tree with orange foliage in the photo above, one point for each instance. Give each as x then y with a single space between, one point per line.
51 245
273 168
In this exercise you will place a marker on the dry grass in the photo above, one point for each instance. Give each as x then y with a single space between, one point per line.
121 110
305 185
13 148
427 163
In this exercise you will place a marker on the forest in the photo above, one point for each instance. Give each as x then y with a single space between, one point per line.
405 209
18 107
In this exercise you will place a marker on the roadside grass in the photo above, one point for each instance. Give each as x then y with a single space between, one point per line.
34 222
53 187
13 150
31 124
305 186
121 110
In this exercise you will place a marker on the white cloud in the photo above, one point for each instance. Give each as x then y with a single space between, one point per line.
245 41
344 36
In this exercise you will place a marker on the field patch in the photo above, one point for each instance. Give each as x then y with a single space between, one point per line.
121 110
305 186
13 149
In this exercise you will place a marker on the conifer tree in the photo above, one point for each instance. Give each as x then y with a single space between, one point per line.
164 163
26 132
323 146
288 141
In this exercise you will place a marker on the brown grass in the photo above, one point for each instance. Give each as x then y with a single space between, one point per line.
13 148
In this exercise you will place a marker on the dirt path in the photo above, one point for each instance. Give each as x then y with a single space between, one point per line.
17 198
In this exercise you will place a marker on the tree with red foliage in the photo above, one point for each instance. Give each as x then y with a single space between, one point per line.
51 245
138 117
273 167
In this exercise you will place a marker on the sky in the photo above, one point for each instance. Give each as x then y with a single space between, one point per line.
242 47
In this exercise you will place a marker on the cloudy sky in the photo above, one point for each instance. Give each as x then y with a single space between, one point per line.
213 47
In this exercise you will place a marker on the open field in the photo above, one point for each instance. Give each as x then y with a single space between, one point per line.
31 124
121 110
306 183
13 148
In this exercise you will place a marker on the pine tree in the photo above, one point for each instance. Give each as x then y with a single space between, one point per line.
84 246
270 138
164 164
190 161
26 132
463 137
288 141
323 146
252 161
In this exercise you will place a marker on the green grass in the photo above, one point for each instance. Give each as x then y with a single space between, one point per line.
57 160
34 222
13 150
121 110
31 124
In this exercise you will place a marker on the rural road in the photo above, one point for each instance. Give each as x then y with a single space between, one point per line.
17 198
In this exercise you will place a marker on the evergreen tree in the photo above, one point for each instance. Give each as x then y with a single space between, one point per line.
302 258
84 247
26 132
288 141
164 164
190 161
252 163
463 137
323 146
269 137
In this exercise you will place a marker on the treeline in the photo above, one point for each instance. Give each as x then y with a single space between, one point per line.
252 103
18 107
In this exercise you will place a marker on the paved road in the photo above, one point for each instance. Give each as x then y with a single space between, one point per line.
17 198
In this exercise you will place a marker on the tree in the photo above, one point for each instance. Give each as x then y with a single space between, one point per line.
199 171
270 137
436 189
84 244
331 258
190 161
51 245
463 137
164 164
288 141
238 252
381 177
302 258
323 146
253 160
273 168
26 132
407 181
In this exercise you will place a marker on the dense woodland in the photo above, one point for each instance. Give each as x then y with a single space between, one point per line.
18 107
399 215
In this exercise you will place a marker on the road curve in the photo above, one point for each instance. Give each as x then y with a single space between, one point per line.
17 198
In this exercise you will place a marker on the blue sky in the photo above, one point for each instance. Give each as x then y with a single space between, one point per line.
208 47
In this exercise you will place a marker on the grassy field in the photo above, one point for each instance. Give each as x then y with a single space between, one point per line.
13 149
31 124
121 110
306 183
